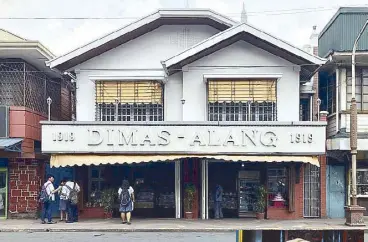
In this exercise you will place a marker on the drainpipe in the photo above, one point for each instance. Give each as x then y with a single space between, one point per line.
337 99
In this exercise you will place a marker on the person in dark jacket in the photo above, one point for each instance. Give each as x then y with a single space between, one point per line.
218 202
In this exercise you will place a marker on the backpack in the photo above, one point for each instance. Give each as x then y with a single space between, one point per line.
124 197
44 197
73 195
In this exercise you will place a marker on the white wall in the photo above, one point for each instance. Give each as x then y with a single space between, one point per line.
148 50
241 54
139 56
144 54
173 96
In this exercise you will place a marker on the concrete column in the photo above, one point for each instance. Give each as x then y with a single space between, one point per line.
177 189
203 190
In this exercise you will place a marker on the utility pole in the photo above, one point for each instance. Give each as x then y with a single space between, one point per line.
354 213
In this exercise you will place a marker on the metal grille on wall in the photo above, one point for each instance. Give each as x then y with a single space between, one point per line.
129 101
312 191
23 85
242 100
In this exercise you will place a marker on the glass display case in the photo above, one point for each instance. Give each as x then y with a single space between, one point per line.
166 200
145 198
229 200
248 182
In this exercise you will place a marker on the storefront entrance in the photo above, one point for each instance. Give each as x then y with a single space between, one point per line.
153 184
240 181
3 192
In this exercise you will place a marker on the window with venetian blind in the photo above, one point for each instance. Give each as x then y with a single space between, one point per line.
129 101
242 100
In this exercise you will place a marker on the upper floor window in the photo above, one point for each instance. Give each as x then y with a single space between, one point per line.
361 89
242 100
304 109
129 101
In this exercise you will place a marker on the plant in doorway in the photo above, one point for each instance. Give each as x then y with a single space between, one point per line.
260 206
189 191
108 198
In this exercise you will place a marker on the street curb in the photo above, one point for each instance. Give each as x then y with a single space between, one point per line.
123 230
158 230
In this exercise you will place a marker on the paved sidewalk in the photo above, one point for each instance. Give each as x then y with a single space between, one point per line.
175 225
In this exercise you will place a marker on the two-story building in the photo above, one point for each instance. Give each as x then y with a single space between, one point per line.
25 85
336 42
185 97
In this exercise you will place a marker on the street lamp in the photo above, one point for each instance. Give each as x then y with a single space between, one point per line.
49 101
354 213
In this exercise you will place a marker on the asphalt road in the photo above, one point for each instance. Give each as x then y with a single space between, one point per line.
110 237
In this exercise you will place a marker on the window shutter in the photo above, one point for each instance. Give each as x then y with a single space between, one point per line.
241 90
129 92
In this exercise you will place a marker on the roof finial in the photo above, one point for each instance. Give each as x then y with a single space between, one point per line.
187 3
244 17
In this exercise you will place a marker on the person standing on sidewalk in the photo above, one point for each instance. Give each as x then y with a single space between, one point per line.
63 201
218 202
47 197
126 198
71 189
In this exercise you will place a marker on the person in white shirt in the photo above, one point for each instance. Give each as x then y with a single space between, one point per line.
72 208
63 201
46 206
126 197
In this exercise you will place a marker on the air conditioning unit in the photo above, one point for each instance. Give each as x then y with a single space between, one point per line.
4 121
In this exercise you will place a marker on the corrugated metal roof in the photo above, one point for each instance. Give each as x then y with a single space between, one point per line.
341 31
6 142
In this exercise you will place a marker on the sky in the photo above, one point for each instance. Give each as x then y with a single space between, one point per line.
289 20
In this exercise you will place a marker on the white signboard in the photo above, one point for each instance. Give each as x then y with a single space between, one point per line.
182 139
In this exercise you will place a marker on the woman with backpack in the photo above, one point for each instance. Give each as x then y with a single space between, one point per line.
126 198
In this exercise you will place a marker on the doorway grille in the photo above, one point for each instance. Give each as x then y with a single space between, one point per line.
312 204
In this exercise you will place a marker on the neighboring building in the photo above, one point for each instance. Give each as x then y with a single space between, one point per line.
25 84
191 97
335 43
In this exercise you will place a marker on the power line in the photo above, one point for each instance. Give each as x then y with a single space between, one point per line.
255 13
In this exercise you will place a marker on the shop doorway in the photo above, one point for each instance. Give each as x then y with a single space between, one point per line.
153 184
239 182
335 191
3 192
248 182
312 189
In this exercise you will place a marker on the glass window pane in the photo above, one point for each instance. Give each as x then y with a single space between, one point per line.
95 173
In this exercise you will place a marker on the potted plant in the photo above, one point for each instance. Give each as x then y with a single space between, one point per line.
189 191
108 198
260 206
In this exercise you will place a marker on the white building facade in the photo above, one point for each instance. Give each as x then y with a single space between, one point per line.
196 100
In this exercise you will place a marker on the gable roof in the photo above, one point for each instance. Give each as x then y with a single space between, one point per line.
138 28
15 47
255 37
6 36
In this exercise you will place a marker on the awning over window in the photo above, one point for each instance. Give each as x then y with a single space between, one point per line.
79 160
11 144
